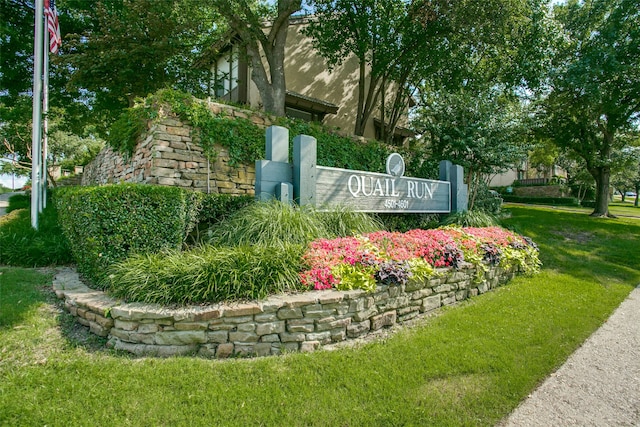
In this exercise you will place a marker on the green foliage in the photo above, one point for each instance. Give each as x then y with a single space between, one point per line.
269 224
245 140
216 208
405 222
274 224
341 221
19 201
354 277
107 224
487 201
556 201
207 274
473 218
21 245
421 270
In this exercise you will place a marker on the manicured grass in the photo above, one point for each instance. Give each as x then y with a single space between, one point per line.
469 365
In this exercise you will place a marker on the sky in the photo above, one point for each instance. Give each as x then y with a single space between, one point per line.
8 180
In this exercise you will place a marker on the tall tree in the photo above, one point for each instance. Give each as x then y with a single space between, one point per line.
483 132
247 19
130 48
594 87
401 44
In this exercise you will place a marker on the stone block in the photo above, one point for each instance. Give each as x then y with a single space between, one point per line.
262 349
291 337
461 295
365 314
289 347
270 328
302 299
441 289
431 303
338 335
190 326
245 349
148 328
105 322
266 317
219 337
98 330
243 337
180 337
330 297
421 293
340 308
125 325
309 346
333 324
237 320
356 329
224 350
246 327
290 313
319 336
385 319
270 338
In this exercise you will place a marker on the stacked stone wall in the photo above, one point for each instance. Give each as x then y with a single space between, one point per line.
167 155
299 322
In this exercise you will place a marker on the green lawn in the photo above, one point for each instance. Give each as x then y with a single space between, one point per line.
468 365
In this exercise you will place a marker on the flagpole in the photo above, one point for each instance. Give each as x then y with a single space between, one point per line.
45 120
36 134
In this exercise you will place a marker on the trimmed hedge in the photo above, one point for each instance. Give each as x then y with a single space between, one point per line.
554 201
106 224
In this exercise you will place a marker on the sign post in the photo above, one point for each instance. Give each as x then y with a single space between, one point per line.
361 191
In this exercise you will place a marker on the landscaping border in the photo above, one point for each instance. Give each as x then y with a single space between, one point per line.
281 323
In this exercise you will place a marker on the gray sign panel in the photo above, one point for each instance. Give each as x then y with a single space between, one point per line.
377 192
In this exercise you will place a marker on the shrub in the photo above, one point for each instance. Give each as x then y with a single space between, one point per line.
474 218
268 224
19 201
106 224
341 221
215 209
22 245
274 223
554 201
206 274
487 200
405 222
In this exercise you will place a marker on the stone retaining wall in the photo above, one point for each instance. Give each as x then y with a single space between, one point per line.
299 322
167 155
541 191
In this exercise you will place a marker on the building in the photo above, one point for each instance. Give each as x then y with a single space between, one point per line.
313 92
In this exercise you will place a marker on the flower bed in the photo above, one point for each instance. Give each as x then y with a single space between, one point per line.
380 279
394 258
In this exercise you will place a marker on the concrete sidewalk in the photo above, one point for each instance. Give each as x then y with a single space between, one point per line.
599 385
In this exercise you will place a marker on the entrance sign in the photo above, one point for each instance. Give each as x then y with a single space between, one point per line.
377 192
361 191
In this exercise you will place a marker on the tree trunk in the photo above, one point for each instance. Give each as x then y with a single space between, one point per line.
601 174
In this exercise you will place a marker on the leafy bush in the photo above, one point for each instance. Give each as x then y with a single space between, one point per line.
487 201
405 222
554 201
206 274
19 201
107 224
216 208
22 245
474 218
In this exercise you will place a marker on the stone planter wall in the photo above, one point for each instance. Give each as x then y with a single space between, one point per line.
167 155
300 322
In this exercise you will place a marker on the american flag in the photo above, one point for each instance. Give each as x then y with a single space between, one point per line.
55 41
